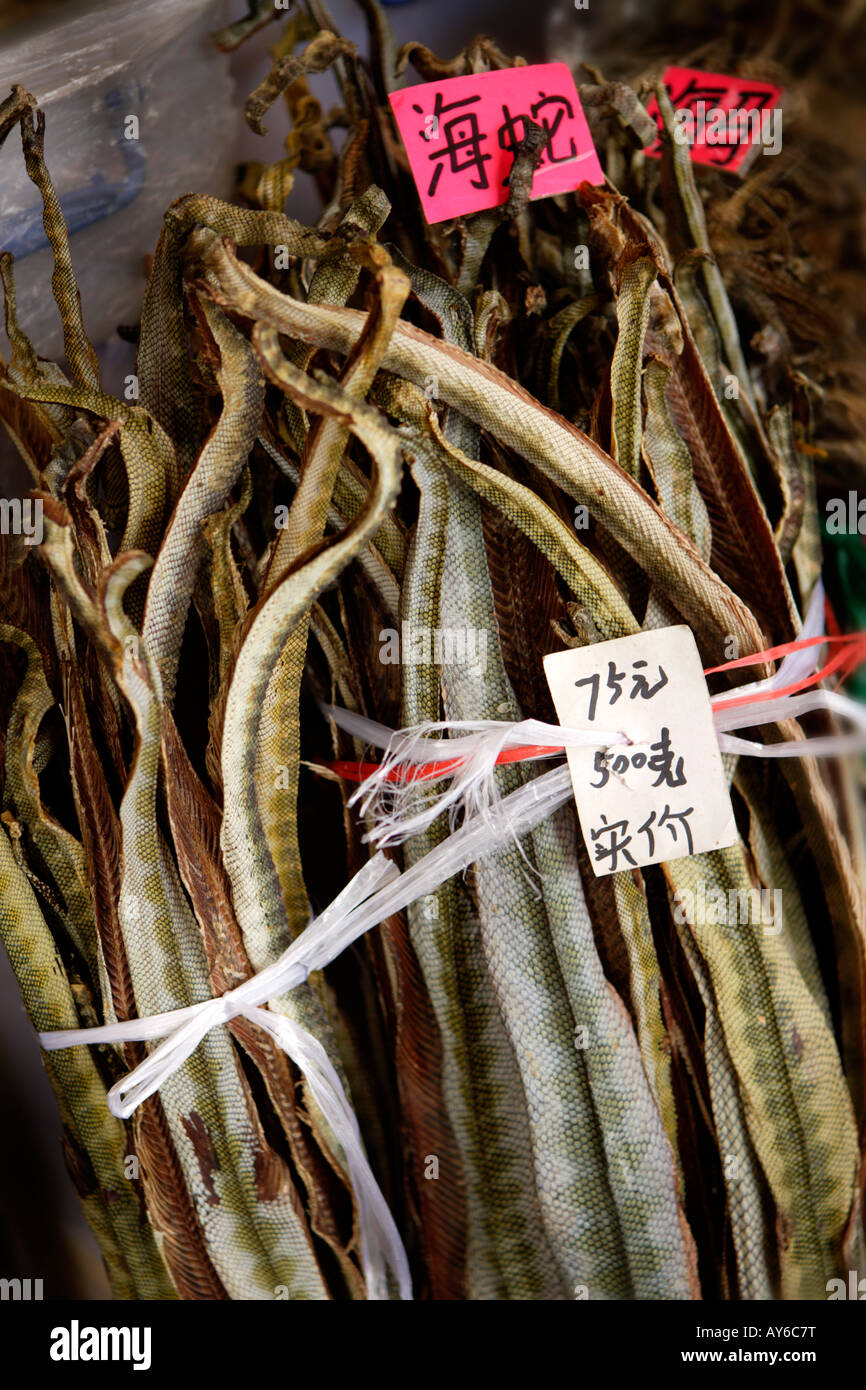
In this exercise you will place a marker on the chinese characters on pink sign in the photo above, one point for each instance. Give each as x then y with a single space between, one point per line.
725 116
461 135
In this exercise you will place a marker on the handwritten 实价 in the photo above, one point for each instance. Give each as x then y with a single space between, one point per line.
662 794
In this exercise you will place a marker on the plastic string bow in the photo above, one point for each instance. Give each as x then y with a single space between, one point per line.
375 893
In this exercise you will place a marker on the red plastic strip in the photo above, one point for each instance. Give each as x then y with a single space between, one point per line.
852 653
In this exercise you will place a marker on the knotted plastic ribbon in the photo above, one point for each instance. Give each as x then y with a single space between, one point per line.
392 793
378 891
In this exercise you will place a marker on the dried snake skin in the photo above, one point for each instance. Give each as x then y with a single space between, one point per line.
348 435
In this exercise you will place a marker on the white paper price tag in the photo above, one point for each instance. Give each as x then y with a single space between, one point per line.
664 794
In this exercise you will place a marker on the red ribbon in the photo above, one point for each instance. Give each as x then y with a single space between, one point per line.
852 652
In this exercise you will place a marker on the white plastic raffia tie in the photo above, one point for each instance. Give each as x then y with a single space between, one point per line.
402 805
378 891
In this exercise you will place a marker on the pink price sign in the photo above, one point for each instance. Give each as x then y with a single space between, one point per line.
461 135
723 117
